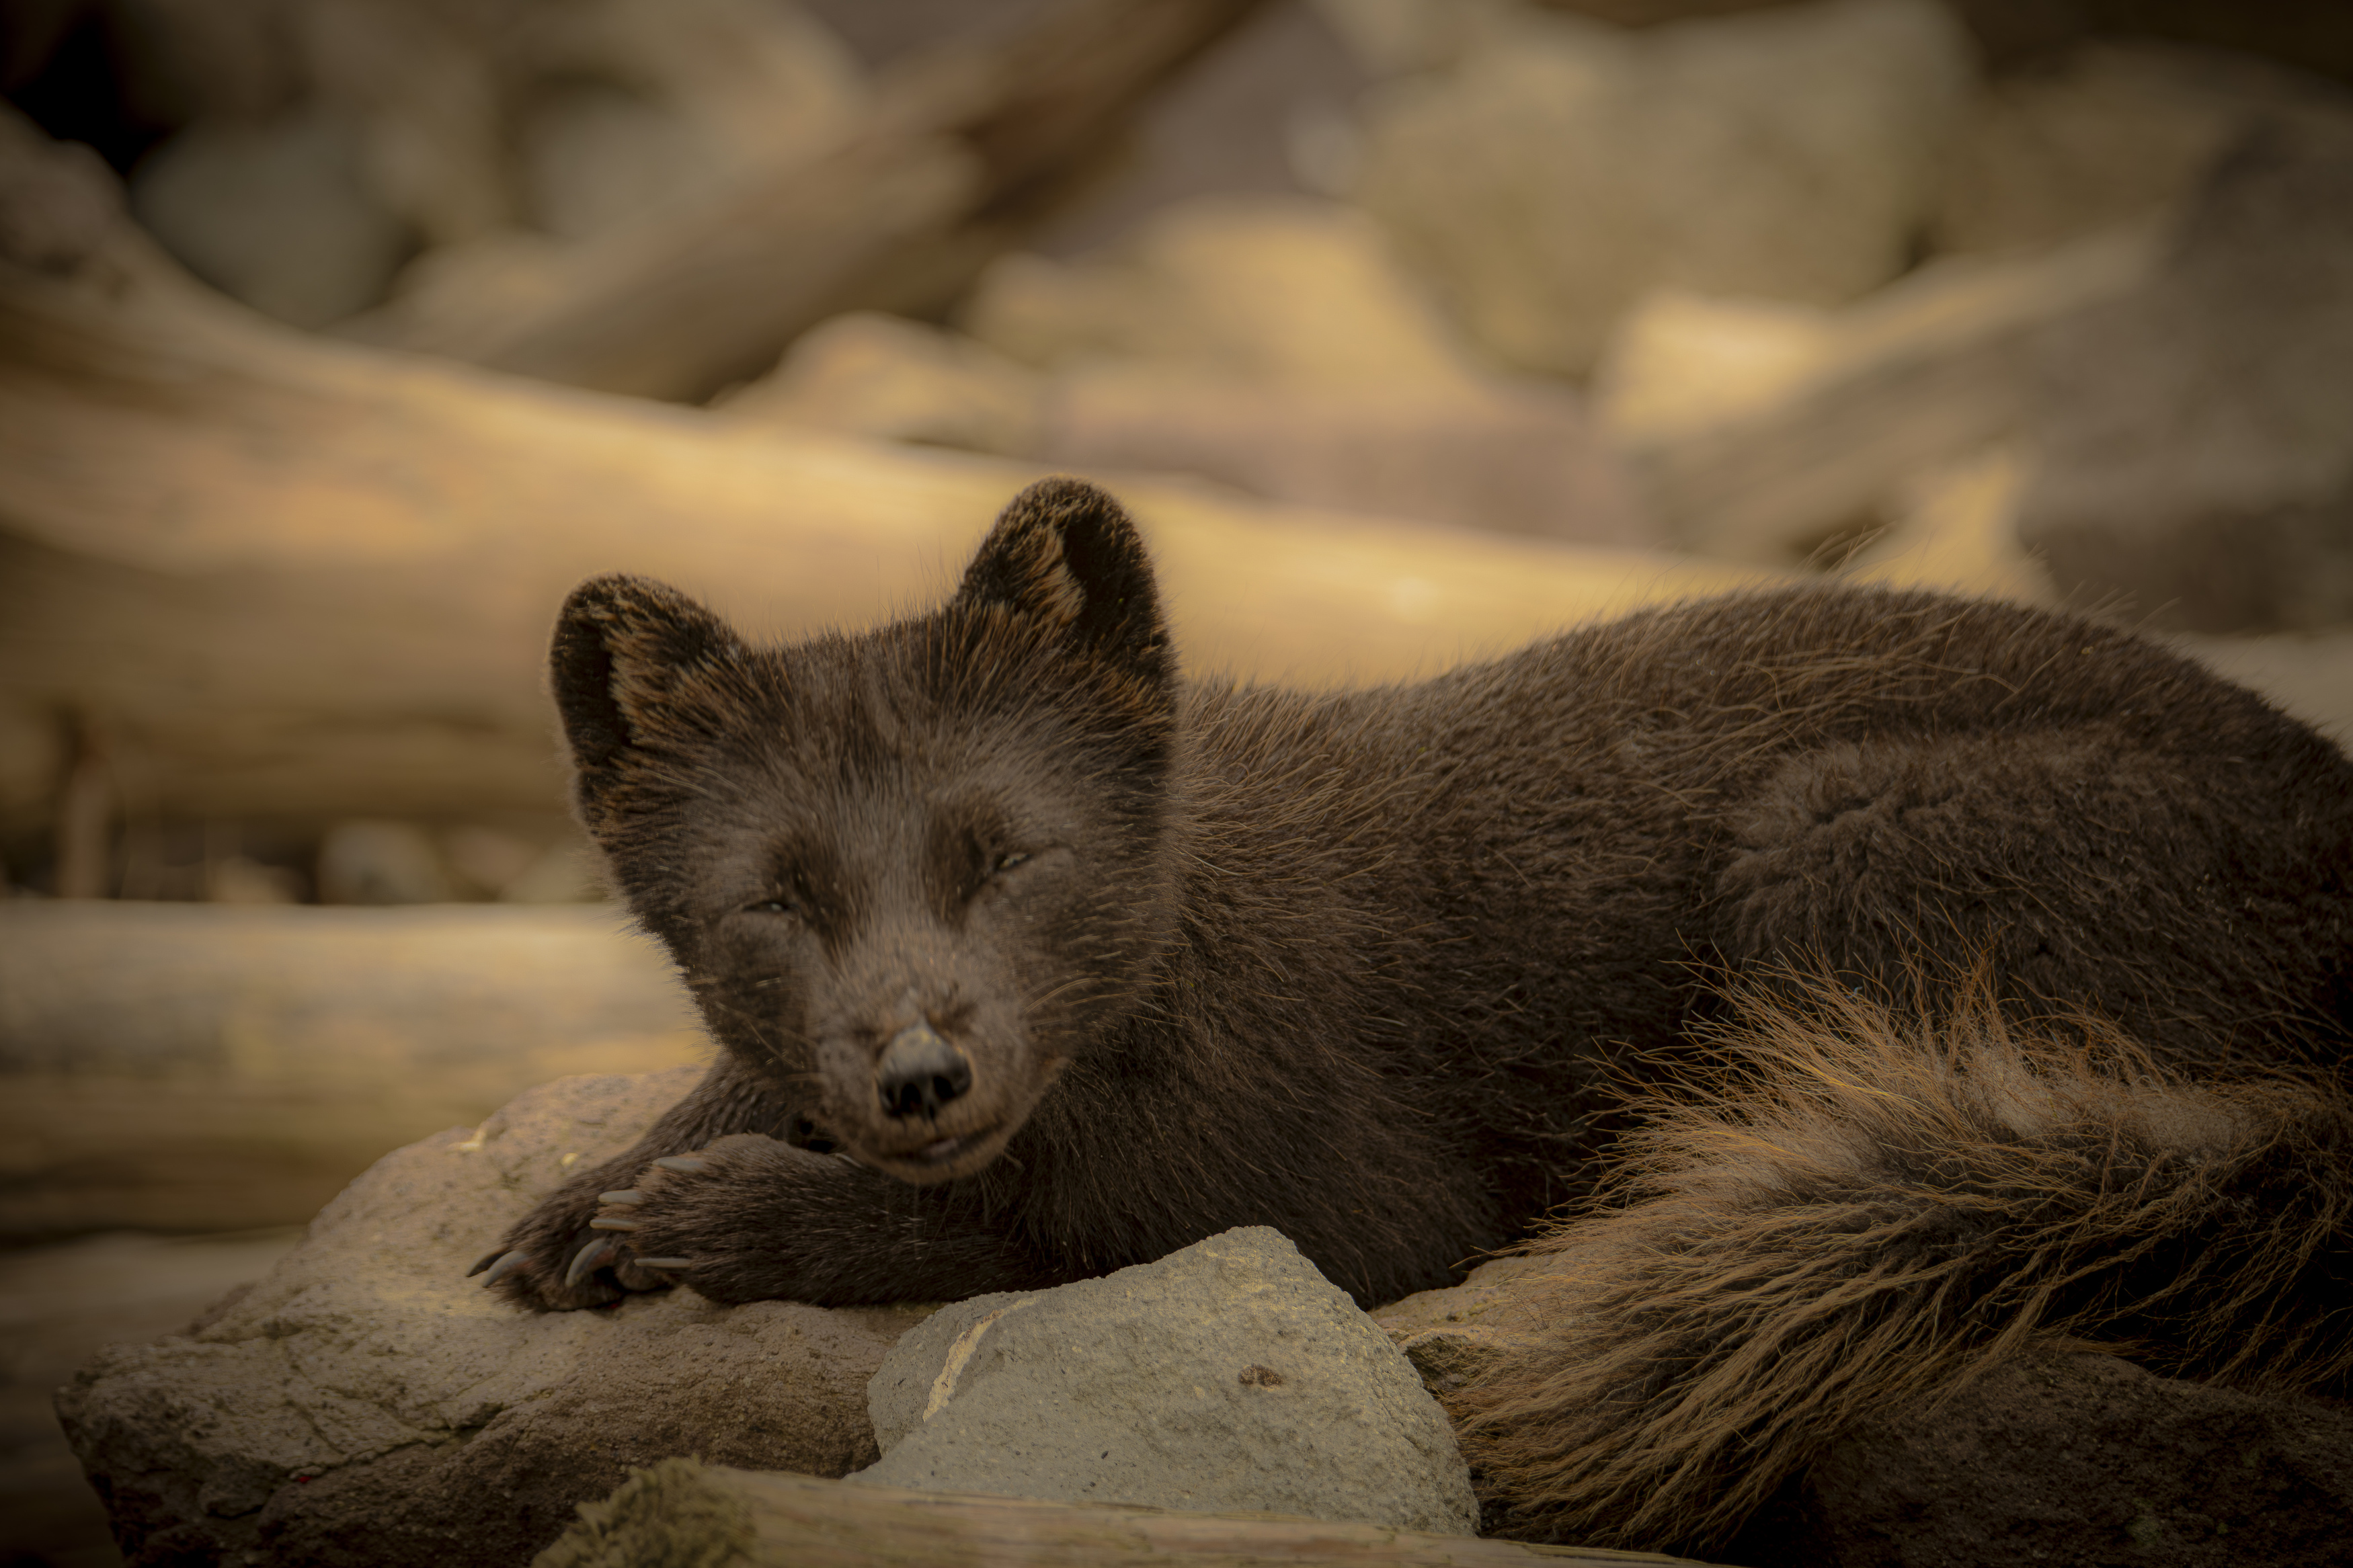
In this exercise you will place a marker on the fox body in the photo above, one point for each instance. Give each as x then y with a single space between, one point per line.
1029 959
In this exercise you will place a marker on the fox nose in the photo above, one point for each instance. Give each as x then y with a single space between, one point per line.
921 1072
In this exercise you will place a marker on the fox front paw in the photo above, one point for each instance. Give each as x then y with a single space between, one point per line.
561 1259
721 1219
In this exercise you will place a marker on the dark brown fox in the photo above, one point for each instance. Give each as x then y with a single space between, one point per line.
1031 960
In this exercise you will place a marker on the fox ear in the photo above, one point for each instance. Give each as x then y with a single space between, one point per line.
1064 554
623 647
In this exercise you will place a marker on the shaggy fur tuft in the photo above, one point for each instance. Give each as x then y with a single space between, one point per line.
1863 1210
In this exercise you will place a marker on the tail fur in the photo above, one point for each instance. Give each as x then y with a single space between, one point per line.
1866 1212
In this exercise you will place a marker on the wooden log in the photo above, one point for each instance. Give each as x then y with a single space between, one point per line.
292 576
190 1066
682 1510
961 155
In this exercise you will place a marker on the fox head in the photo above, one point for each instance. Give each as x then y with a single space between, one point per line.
912 871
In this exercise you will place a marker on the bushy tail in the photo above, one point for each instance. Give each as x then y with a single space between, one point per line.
1865 1212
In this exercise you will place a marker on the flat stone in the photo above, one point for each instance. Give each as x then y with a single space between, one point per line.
366 1404
1228 1376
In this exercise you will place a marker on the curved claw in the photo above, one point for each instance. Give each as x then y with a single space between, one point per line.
692 1166
492 1256
500 1266
664 1262
603 1223
597 1253
625 1197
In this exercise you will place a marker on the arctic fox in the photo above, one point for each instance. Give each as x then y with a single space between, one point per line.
1031 960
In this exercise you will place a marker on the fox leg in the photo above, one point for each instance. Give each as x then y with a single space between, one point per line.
752 1218
535 1267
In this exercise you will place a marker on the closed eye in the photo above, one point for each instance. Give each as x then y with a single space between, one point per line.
1006 862
770 907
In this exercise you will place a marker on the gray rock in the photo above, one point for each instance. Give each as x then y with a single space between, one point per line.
371 862
1559 167
365 1402
1756 430
2195 437
1455 1334
2112 132
2079 1458
1228 1376
279 215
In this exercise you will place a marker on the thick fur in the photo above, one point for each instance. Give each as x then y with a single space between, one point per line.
1862 1210
1377 967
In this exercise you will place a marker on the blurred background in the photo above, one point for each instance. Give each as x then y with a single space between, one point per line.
339 338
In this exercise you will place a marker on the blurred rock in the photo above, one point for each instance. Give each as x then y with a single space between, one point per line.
205 1066
1397 37
57 201
519 867
382 863
1269 111
366 1404
486 859
2081 1458
1955 531
241 879
870 374
635 105
1228 1376
565 873
424 85
2195 436
1758 431
280 214
344 135
2113 132
1294 292
1560 167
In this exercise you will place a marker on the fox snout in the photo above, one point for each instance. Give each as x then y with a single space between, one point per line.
920 1074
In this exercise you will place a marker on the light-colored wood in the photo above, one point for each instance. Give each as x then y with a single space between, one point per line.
290 577
195 1067
683 1510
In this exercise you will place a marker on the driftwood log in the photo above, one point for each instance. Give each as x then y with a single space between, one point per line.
191 1067
281 576
960 156
681 1511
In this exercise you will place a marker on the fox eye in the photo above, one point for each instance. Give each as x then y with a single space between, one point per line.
1005 862
787 895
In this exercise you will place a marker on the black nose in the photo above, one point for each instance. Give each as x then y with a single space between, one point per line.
920 1072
